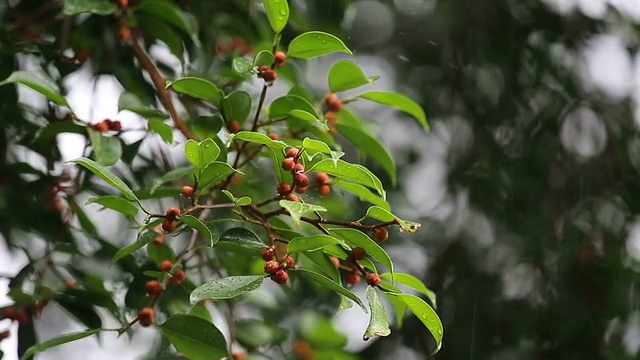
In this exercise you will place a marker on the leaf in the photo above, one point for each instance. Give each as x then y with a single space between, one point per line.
263 57
346 75
381 214
213 173
304 115
226 288
363 193
99 7
242 66
358 238
243 237
195 223
297 209
159 253
200 310
324 263
51 130
161 128
311 243
399 306
85 223
58 341
331 285
242 201
378 323
371 147
258 138
194 337
197 88
201 154
314 146
400 102
350 172
107 176
36 83
172 14
426 314
277 13
130 101
172 175
414 283
236 106
315 43
256 332
158 29
142 240
116 203
283 105
107 149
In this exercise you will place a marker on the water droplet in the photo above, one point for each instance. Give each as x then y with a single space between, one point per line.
147 220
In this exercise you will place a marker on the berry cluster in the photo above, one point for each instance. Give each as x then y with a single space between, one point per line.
108 125
332 103
277 270
300 179
354 274
170 221
178 275
267 74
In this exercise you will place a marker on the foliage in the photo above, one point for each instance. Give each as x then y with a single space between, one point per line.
228 208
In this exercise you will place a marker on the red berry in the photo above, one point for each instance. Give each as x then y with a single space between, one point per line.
4 335
160 239
153 287
268 254
124 33
166 265
301 179
273 136
283 188
70 283
298 168
324 190
82 54
292 197
288 164
353 278
178 277
333 102
269 76
172 213
115 126
146 316
301 189
280 277
373 279
271 267
292 152
287 262
22 317
169 225
123 3
262 69
358 253
233 126
322 178
9 313
187 191
279 58
335 261
380 235
239 356
102 126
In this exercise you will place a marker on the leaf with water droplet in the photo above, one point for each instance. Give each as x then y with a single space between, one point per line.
315 43
378 323
277 13
425 313
226 288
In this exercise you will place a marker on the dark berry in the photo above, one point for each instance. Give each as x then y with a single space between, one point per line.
280 277
380 235
268 254
373 279
358 253
271 267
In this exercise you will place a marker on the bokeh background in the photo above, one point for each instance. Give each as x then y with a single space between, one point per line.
527 185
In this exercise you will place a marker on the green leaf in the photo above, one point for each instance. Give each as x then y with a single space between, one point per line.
315 43
86 223
116 203
159 253
226 288
350 172
131 102
346 75
36 83
142 240
414 283
99 7
200 310
107 149
426 314
363 193
399 306
263 57
242 66
67 338
304 115
172 14
325 264
311 243
316 146
256 332
236 106
213 173
197 88
242 201
331 285
194 337
378 323
258 138
297 209
358 238
201 154
243 237
172 175
400 102
381 214
158 29
195 223
107 176
277 13
51 130
371 147
283 105
161 128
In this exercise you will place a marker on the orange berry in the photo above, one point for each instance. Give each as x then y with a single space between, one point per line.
283 188
262 70
322 178
172 213
269 76
301 180
169 225
153 287
273 136
293 152
380 235
102 126
301 189
233 126
124 33
146 316
324 190
239 356
373 279
358 253
166 265
178 277
298 168
187 191
335 261
288 164
292 197
353 278
279 58
333 102
304 350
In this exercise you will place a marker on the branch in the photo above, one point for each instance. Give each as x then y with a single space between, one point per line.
160 84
